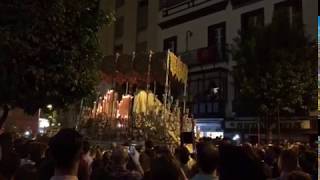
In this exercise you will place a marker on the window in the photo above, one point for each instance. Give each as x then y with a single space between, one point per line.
141 47
217 41
291 9
252 20
118 49
208 92
119 27
119 3
171 44
142 16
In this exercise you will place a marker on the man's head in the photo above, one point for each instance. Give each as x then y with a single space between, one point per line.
65 148
288 161
120 156
207 157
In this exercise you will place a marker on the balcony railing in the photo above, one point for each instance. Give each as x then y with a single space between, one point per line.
201 56
181 6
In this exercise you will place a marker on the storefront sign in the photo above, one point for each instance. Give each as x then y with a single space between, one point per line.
292 125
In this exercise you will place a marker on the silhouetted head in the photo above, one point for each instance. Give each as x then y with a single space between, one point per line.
288 160
207 157
65 148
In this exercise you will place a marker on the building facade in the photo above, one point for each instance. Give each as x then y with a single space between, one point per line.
200 31
135 29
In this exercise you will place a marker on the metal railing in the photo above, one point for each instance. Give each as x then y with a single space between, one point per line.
182 6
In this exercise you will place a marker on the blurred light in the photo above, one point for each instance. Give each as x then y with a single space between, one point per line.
27 133
43 123
110 91
236 137
215 90
49 106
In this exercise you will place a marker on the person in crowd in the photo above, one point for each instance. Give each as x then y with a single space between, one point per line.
119 160
261 154
182 154
146 157
20 148
276 169
98 171
9 160
26 172
66 147
298 175
165 166
207 160
85 162
107 163
236 163
96 154
46 168
37 152
308 163
287 162
24 149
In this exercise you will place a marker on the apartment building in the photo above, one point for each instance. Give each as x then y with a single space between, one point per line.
135 29
200 31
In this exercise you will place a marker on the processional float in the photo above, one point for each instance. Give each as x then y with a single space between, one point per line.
142 112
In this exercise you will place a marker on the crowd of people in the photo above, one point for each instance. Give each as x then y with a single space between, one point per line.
69 156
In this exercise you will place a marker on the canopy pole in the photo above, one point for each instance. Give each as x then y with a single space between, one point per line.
148 80
167 82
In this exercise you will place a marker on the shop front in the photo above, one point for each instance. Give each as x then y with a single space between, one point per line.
210 127
300 129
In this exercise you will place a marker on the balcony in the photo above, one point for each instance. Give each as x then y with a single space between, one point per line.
181 11
178 6
203 56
